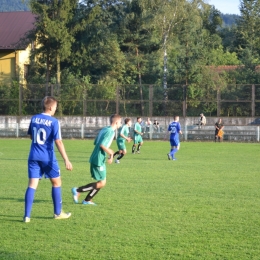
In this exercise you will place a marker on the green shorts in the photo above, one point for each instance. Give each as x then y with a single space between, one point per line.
121 144
99 173
138 139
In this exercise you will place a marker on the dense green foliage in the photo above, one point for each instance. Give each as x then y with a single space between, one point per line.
111 43
205 205
124 42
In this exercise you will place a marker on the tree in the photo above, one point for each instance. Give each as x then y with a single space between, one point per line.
137 42
57 22
249 29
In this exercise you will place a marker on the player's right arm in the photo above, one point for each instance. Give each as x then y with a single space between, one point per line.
128 139
179 129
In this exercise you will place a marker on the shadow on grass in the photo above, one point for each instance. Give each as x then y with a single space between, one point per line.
13 218
22 200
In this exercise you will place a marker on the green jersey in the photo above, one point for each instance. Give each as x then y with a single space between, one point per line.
124 130
105 138
137 128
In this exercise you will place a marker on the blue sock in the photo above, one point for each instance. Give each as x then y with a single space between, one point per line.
28 199
56 198
173 151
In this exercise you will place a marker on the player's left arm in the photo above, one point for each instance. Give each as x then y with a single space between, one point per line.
61 148
179 130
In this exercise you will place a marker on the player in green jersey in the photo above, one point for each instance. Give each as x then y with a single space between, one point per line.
137 135
123 133
97 161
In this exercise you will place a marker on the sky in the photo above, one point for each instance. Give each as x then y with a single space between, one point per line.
226 6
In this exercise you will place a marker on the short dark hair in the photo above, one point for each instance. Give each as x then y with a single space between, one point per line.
48 102
138 117
127 120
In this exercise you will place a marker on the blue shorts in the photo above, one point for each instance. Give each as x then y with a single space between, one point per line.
174 142
36 169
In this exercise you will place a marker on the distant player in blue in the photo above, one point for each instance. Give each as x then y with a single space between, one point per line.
174 131
44 131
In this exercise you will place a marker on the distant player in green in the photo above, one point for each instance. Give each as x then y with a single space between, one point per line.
123 134
97 161
137 135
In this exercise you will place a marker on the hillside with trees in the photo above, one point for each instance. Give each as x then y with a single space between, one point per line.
229 19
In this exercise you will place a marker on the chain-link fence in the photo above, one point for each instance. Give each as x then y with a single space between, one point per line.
131 100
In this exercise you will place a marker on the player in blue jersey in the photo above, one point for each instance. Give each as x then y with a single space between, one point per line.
44 131
123 133
174 131
97 162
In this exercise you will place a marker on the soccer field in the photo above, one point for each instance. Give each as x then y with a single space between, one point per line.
204 205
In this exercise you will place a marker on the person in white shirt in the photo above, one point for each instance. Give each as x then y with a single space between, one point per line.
202 120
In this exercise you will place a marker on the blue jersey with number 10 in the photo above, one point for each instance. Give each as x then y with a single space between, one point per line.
44 130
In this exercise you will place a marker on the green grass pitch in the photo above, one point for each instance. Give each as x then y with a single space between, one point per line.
205 205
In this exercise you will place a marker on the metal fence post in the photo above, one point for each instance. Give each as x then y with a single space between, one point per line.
257 134
184 108
150 100
84 102
151 132
218 102
20 99
82 131
253 101
17 130
117 99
